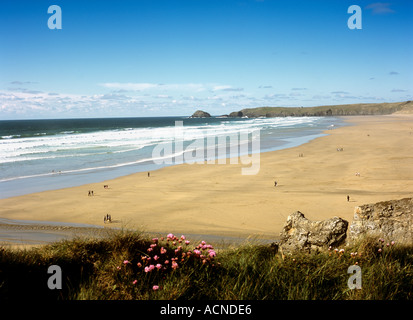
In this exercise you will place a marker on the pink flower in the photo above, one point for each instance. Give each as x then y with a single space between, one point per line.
170 236
163 250
155 240
135 281
155 257
174 265
125 261
155 287
183 237
196 251
150 268
158 266
149 249
166 262
139 264
203 242
392 243
153 245
118 268
212 253
187 242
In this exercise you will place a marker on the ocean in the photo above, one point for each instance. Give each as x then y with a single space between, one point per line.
40 155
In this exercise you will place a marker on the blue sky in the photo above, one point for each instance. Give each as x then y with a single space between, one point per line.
170 57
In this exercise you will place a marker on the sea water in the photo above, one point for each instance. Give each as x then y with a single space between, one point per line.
39 155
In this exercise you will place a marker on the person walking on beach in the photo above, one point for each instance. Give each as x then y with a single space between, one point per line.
348 198
149 174
275 183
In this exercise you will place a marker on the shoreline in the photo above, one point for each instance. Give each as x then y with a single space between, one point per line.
96 173
218 201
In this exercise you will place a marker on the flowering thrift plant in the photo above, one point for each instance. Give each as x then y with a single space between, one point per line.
165 255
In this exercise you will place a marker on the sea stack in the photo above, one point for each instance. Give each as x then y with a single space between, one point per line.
200 114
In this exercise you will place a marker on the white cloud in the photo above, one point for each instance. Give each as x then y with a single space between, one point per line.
339 92
114 96
147 86
379 8
217 88
129 86
163 96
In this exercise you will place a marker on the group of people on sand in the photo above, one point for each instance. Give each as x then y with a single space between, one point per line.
107 218
90 193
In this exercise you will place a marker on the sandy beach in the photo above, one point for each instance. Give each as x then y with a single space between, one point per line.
218 200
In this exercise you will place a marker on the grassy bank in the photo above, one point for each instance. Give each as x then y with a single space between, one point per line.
130 265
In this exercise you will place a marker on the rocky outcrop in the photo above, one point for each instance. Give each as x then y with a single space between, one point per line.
236 114
391 220
299 233
200 114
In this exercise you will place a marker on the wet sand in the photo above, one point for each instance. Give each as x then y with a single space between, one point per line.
23 233
219 201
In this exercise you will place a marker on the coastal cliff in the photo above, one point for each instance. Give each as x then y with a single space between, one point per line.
332 110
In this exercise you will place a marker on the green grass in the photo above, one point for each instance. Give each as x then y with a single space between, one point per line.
113 268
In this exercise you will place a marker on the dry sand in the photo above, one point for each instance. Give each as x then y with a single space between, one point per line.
218 200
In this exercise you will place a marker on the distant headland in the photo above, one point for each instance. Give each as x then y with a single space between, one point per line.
320 111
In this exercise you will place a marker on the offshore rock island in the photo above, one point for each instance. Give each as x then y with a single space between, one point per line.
200 114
